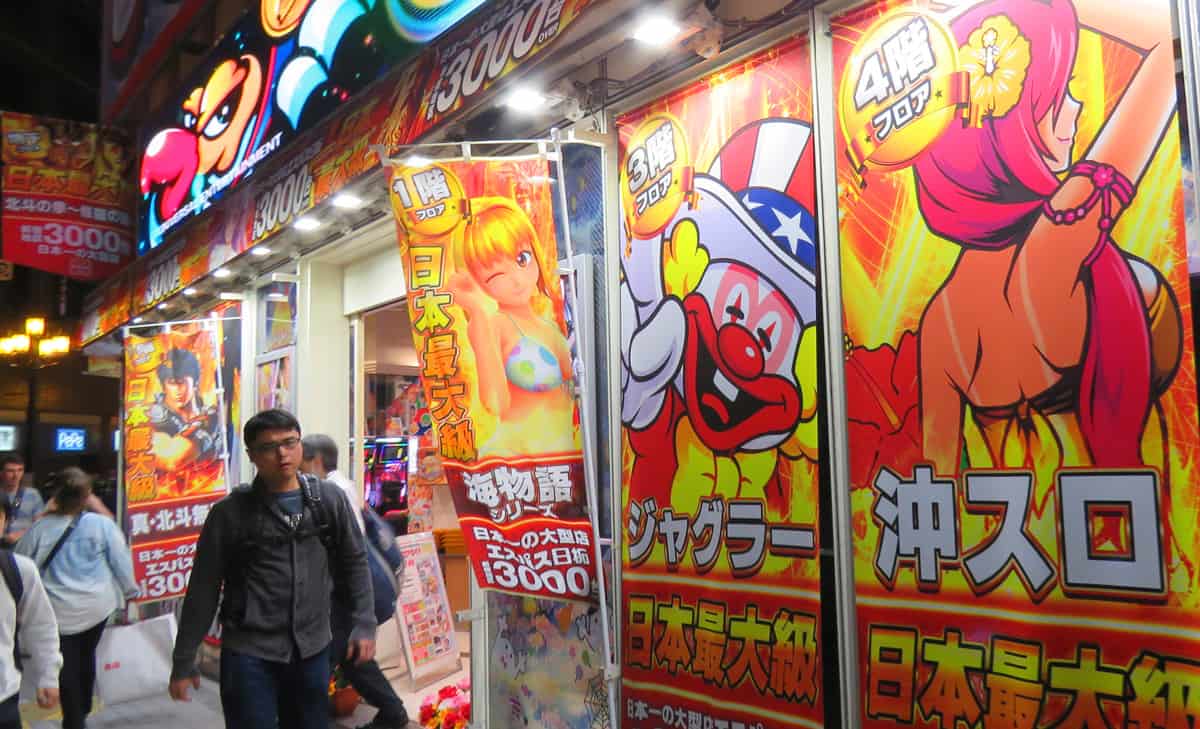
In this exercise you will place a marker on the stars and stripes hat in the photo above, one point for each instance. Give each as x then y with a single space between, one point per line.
769 166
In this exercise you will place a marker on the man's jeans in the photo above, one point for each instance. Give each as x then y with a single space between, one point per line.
260 694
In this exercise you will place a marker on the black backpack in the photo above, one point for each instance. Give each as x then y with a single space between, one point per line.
16 588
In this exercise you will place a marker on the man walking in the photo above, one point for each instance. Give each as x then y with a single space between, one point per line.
279 547
321 460
25 504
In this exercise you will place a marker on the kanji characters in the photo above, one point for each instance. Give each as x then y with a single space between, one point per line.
425 266
1088 681
1013 686
660 149
515 484
794 656
753 632
432 186
639 632
672 651
891 673
918 520
1166 693
908 54
440 356
481 488
948 697
709 659
429 309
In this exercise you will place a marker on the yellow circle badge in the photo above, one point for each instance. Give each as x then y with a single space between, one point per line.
655 176
900 89
430 200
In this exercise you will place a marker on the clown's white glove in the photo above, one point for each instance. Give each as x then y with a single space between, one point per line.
651 352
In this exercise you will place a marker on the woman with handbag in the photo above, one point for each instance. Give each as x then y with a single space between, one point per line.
86 568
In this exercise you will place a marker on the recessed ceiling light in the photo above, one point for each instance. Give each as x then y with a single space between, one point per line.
526 99
656 30
162 306
276 296
230 296
138 320
189 291
347 201
306 223
222 273
417 160
260 251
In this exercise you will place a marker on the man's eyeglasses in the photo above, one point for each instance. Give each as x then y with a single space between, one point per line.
287 444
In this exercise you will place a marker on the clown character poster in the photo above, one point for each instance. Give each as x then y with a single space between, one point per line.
1019 364
175 442
719 400
479 246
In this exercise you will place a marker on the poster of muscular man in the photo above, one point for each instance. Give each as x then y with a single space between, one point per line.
176 447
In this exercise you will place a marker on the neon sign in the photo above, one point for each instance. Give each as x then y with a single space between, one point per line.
280 70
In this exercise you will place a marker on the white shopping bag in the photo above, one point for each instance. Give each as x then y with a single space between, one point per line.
134 661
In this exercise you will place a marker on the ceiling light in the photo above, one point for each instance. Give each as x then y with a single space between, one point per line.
276 296
138 320
417 160
306 223
189 291
526 99
222 273
162 306
231 296
260 251
347 201
656 30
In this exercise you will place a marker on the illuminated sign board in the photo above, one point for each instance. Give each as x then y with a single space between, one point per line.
70 440
278 72
8 437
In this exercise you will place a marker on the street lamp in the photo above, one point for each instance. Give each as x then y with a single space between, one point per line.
32 350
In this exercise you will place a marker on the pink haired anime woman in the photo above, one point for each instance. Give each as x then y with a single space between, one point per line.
1044 319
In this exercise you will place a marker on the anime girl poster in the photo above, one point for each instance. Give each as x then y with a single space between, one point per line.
1019 368
479 242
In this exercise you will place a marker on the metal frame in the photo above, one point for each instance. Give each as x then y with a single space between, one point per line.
1188 14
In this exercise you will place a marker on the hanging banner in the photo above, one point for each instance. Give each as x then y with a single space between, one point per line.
721 584
1019 364
67 197
105 309
177 407
478 242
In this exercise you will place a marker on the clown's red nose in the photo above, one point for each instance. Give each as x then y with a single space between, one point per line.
740 351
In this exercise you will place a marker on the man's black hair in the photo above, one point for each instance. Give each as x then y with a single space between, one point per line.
323 446
179 364
268 420
10 459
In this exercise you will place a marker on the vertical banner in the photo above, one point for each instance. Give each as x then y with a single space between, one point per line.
68 196
479 246
1019 367
176 455
721 581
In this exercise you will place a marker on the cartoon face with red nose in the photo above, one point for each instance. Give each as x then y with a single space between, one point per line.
216 119
739 381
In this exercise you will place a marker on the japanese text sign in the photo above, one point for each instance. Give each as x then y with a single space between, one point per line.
68 200
719 401
1019 368
175 451
478 241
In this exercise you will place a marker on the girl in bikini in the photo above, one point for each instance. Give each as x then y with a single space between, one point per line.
521 356
1058 340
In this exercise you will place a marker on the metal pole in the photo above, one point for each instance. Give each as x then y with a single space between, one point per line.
31 382
842 538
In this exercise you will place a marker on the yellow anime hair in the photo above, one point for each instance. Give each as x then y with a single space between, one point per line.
496 230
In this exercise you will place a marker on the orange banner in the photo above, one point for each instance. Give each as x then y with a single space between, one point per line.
721 583
480 253
1020 365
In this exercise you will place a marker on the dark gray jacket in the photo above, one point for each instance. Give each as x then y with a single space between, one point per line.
277 583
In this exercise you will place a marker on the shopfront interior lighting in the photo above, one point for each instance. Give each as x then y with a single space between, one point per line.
347 201
35 326
417 160
189 291
526 99
231 296
260 251
656 30
277 296
306 223
138 320
222 273
162 306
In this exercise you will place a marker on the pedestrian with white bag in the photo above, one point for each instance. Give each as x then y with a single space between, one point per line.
87 569
27 618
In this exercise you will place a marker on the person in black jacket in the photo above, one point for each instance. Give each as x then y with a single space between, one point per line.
279 547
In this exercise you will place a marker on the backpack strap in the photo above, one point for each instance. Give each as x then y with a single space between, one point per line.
310 488
61 541
16 588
